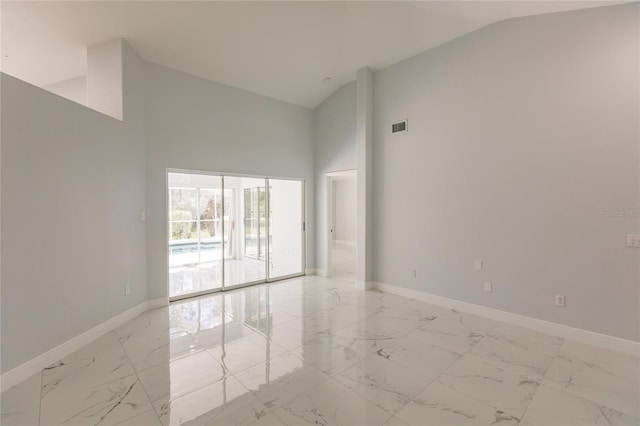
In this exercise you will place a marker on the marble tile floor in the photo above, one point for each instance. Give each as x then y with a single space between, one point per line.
344 260
204 276
315 350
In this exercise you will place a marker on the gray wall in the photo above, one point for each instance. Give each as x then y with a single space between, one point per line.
196 124
73 187
334 151
521 136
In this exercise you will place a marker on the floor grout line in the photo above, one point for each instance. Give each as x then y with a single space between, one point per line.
135 370
542 379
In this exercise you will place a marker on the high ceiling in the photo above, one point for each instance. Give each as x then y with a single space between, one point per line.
279 49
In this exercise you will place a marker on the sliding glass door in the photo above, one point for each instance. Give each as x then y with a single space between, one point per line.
195 228
286 242
248 223
231 231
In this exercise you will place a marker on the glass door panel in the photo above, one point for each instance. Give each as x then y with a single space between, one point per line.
224 232
195 233
255 224
245 231
286 205
210 224
250 223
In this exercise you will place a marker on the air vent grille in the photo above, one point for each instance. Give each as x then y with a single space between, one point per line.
400 126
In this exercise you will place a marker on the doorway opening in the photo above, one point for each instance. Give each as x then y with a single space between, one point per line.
342 224
229 231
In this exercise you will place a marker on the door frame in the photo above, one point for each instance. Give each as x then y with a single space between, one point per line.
330 178
267 279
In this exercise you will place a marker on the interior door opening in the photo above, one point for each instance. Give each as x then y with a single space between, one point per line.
229 231
342 224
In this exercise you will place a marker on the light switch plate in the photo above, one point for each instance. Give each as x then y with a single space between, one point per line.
478 265
633 240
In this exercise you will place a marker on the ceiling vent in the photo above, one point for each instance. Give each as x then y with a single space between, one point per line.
400 126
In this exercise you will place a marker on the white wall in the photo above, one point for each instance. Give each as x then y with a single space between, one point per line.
196 124
345 209
104 78
73 187
74 89
334 150
521 136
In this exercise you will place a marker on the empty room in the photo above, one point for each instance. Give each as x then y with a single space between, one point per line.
320 213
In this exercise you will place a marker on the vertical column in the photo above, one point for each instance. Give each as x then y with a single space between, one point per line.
364 142
104 78
638 130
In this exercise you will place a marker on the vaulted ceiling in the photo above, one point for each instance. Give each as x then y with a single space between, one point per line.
284 50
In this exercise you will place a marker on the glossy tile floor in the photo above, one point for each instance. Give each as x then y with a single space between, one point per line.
208 275
344 260
316 351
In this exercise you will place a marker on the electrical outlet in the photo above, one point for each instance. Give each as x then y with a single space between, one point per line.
413 273
559 300
633 240
478 265
488 287
127 290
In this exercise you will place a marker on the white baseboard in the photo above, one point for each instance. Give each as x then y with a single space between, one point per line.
31 367
159 302
345 243
319 272
365 285
567 332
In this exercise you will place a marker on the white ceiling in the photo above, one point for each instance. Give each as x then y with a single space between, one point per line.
279 49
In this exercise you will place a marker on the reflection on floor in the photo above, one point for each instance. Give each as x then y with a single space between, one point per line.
343 257
208 276
316 351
